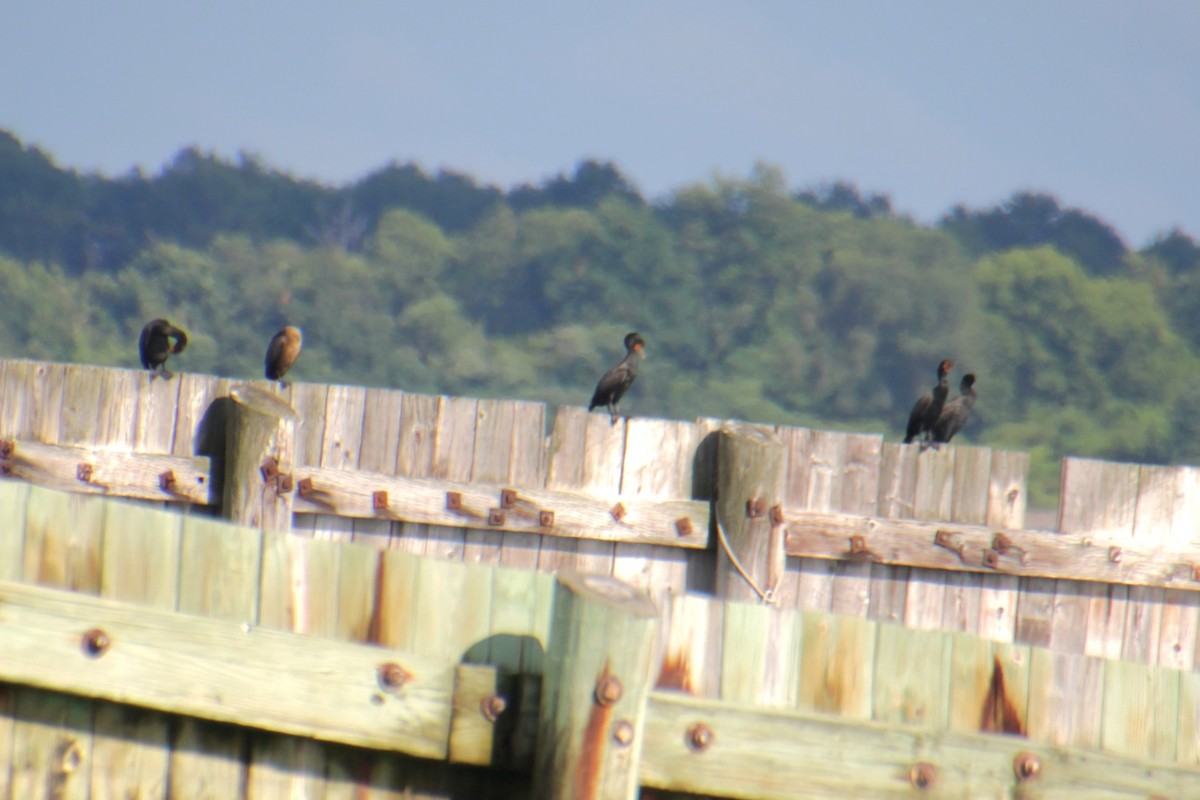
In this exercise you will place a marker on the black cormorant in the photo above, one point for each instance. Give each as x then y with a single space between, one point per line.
282 352
927 408
955 413
613 384
155 345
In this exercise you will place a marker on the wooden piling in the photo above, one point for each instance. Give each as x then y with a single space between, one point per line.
750 486
597 678
259 457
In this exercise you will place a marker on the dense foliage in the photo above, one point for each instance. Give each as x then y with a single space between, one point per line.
819 307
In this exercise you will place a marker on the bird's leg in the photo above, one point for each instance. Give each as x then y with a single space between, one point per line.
167 374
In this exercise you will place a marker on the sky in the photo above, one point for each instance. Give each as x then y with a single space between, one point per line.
931 102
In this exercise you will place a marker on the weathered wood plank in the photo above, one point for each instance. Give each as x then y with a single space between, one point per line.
1065 698
490 457
414 459
62 540
751 474
912 677
52 745
382 411
989 686
1141 711
527 467
897 494
1006 509
768 754
14 497
453 455
692 663
105 471
837 665
219 670
933 500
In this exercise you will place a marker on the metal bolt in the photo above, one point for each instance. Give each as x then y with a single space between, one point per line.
546 519
95 643
453 501
166 481
756 507
776 514
618 512
991 559
379 500
269 468
623 733
306 487
699 737
7 448
393 676
508 498
1026 766
492 706
608 690
495 517
683 526
922 775
1114 554
285 485
83 472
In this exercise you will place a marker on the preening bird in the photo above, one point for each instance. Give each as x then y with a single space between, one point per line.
613 383
956 413
928 407
282 352
155 345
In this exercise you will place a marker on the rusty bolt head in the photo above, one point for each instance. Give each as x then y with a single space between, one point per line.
453 501
858 545
1114 554
1026 766
618 512
306 487
776 514
83 472
95 643
756 507
166 481
7 448
623 733
495 517
608 690
508 498
492 706
379 500
683 526
699 737
285 485
922 775
991 559
6 468
393 676
546 519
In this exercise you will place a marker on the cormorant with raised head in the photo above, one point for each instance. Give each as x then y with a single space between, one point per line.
956 413
613 384
282 352
155 345
927 408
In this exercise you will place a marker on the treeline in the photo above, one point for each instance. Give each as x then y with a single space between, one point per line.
822 306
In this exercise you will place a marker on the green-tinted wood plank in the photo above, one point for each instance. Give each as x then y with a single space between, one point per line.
912 674
357 587
989 686
511 628
14 497
62 540
1065 698
299 584
743 650
52 746
1188 730
1140 716
452 608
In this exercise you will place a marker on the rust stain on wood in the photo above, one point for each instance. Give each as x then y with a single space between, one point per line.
375 625
589 769
676 672
999 714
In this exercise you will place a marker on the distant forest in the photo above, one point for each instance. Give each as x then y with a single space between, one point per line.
819 306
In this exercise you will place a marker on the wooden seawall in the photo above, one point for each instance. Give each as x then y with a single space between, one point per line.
429 526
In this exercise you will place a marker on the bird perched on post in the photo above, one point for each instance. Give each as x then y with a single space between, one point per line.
155 345
616 381
956 413
282 352
928 407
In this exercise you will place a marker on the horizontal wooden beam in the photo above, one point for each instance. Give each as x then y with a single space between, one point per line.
350 493
142 476
224 671
976 548
715 748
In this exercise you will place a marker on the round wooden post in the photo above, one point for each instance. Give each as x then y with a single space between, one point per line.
259 451
597 677
751 475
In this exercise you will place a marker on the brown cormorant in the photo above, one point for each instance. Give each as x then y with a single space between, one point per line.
955 413
155 345
927 408
613 384
282 352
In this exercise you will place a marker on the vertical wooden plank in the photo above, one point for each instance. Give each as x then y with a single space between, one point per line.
382 414
814 468
796 442
911 685
14 497
341 442
223 565
692 663
1035 611
197 429
933 500
52 746
743 649
82 387
1006 509
131 746
414 458
1140 714
526 468
989 686
310 402
157 411
1065 698
858 494
1152 526
897 495
44 405
1188 730
490 458
970 492
837 665
360 580
1107 607
453 454
451 608
16 384
7 696
62 540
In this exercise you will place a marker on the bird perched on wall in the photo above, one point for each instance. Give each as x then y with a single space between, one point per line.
956 413
928 407
155 345
616 381
282 352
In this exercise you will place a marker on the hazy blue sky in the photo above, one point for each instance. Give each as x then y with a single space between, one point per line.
933 103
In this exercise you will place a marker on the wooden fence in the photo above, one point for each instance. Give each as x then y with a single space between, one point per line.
155 654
